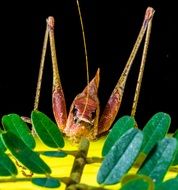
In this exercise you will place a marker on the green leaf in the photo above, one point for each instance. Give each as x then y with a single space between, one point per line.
175 162
176 134
171 184
130 177
7 167
14 124
160 158
54 153
24 154
155 130
46 182
47 130
2 145
121 157
119 128
137 182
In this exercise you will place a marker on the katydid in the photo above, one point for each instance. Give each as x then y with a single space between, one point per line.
84 119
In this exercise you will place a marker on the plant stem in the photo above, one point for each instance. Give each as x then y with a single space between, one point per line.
84 187
23 179
79 162
91 160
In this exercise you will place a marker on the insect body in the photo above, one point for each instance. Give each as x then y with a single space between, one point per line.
84 118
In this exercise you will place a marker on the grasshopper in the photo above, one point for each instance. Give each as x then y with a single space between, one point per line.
84 119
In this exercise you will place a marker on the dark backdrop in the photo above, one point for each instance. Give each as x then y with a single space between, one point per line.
111 28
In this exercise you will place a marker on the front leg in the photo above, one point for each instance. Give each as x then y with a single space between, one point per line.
58 100
114 102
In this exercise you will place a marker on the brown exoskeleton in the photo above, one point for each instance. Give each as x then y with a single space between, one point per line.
83 119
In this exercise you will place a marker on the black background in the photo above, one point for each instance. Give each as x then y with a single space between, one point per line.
111 28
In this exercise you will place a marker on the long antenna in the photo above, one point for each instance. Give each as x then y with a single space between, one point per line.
86 56
41 69
142 66
84 41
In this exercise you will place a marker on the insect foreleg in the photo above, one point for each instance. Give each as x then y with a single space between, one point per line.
58 100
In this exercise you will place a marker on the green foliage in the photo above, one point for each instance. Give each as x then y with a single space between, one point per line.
137 182
47 130
124 146
171 184
121 157
175 162
176 134
159 159
132 177
2 146
46 182
24 154
155 130
14 124
55 154
7 167
119 128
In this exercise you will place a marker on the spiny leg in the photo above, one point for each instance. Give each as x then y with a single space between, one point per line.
115 99
40 75
58 100
141 71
